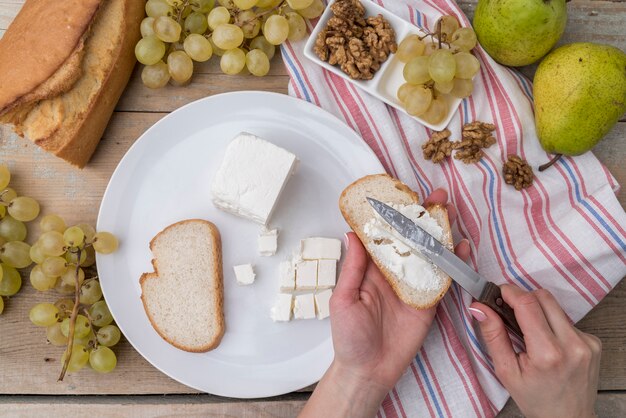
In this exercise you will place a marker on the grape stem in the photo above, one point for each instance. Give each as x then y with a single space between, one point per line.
70 335
181 9
86 312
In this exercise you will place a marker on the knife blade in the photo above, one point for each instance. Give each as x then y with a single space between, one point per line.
482 290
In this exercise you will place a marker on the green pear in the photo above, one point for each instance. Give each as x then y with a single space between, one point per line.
519 32
580 93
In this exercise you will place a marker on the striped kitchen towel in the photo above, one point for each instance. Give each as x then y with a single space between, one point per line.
566 233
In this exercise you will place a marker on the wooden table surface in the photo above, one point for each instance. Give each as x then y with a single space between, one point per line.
29 367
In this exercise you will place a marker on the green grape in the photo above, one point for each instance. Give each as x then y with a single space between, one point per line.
80 355
410 47
8 194
174 3
90 292
156 8
108 335
5 176
196 23
268 4
249 22
105 242
16 254
64 289
276 29
54 266
72 257
198 47
69 277
52 243
257 62
233 61
416 71
12 230
245 4
44 314
81 328
299 4
24 209
449 25
167 29
74 236
216 50
442 66
88 231
100 314
102 359
202 6
1 273
444 87
65 307
466 65
89 257
149 50
147 27
227 36
464 39
218 16
88 340
40 281
36 255
429 48
436 112
297 26
52 223
3 211
261 43
187 11
180 68
155 76
418 101
404 90
227 3
314 10
55 336
462 88
1 304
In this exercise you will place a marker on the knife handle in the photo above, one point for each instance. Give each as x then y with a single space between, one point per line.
492 297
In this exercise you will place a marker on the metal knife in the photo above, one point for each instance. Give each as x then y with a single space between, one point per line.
482 290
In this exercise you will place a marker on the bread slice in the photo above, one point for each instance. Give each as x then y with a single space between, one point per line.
357 212
184 296
84 73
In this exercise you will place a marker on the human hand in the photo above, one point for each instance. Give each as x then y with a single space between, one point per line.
557 376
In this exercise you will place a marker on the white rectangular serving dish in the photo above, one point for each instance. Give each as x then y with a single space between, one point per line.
389 77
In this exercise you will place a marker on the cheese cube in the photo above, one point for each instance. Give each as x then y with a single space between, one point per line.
304 306
326 274
268 242
251 177
322 303
244 274
306 275
287 276
318 248
281 311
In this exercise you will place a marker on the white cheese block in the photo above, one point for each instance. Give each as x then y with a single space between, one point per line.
281 311
268 242
306 275
326 274
320 248
287 276
251 177
244 273
322 303
304 306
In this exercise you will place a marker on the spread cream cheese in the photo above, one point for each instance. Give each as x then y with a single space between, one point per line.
390 247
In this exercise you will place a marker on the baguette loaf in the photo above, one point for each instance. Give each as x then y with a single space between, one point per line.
63 66
358 212
183 298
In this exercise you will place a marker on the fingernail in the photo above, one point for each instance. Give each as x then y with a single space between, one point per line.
478 314
346 239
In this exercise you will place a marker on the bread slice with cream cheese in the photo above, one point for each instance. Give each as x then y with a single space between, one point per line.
358 212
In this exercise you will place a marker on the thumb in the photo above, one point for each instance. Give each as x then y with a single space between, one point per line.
352 271
498 343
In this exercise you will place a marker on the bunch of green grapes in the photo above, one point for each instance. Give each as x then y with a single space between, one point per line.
243 33
435 68
15 211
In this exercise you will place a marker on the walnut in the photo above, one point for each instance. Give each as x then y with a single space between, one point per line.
438 147
357 44
475 137
517 172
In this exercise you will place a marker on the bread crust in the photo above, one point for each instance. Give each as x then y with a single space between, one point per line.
389 276
219 299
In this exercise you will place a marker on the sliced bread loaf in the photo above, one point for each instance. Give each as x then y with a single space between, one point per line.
358 212
184 296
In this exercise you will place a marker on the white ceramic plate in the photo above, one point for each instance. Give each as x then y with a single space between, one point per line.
165 177
388 78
